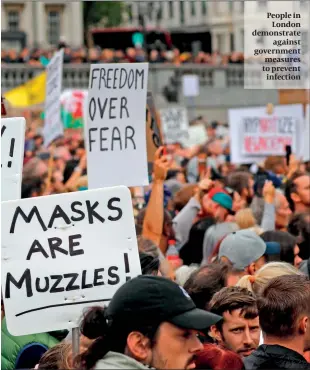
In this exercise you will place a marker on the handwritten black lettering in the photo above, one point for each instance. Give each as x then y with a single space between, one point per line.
73 244
91 212
113 275
58 213
54 244
98 277
84 284
78 211
46 287
73 277
25 278
129 134
55 288
35 248
116 138
113 208
27 219
124 106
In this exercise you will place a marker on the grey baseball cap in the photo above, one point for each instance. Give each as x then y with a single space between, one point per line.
241 248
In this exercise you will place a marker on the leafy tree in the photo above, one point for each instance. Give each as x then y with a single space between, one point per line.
109 12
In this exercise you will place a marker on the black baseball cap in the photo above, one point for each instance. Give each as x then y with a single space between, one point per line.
150 299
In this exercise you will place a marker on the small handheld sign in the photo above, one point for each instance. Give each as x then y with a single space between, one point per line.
63 253
53 127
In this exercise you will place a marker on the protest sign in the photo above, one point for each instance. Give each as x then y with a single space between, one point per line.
12 154
53 127
255 134
190 85
197 135
175 125
63 253
115 131
306 135
153 131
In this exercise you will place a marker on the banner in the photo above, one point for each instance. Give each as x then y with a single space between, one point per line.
52 120
64 253
175 125
30 93
255 134
115 131
153 131
12 154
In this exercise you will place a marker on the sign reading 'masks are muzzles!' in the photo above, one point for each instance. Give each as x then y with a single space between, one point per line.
63 253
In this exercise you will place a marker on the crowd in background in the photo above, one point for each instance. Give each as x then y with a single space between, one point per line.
235 238
31 56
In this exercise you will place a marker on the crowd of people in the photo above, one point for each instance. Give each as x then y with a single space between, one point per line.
225 260
33 56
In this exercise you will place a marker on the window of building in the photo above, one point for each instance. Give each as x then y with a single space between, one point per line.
220 42
13 20
232 42
203 7
129 12
160 12
170 9
182 17
53 27
193 8
230 6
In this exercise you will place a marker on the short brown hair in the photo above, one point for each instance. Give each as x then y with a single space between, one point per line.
205 282
239 180
282 302
234 298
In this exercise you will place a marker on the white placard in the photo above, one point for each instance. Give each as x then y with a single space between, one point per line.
175 125
63 253
197 135
12 154
190 85
115 133
255 134
306 148
53 127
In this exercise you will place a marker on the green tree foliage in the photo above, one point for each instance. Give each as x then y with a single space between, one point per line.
110 12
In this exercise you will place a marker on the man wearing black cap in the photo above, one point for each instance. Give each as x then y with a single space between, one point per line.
151 322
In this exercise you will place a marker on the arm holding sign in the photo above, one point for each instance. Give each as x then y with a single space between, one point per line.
154 216
77 173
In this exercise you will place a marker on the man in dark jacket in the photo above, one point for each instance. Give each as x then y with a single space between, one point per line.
284 313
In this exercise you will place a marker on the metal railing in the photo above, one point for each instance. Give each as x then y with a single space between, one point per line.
76 75
220 87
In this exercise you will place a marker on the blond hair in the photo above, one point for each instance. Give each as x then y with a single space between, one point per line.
245 218
255 283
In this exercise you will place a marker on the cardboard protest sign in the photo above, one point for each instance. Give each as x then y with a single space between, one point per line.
53 127
63 253
175 125
12 154
306 135
153 131
197 135
255 134
190 85
115 130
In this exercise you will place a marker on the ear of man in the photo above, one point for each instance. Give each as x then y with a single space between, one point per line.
138 346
